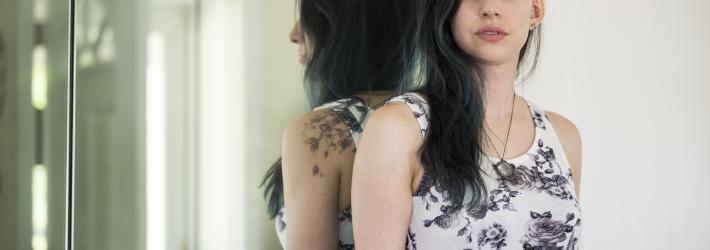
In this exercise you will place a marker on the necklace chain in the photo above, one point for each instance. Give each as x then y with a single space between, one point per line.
505 144
508 169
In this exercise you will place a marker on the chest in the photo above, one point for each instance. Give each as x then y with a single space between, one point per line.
536 207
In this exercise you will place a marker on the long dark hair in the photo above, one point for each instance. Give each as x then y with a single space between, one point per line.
353 47
452 151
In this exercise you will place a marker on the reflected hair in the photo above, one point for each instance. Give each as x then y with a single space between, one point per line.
353 47
452 150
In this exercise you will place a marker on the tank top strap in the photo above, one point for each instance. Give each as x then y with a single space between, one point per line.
419 107
548 137
538 115
352 112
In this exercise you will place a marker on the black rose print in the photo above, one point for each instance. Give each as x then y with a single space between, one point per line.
477 212
494 236
433 194
525 178
546 161
537 119
500 198
545 233
411 243
557 186
544 176
445 220
428 196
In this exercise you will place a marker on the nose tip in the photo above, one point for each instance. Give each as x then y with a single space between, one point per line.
488 13
489 9
295 35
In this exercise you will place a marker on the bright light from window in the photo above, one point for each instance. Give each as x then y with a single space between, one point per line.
39 207
39 77
155 143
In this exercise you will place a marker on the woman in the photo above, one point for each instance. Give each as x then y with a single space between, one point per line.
438 181
356 54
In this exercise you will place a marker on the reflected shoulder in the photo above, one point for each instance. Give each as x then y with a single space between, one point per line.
320 135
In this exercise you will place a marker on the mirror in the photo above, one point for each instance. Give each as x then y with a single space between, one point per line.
33 123
172 132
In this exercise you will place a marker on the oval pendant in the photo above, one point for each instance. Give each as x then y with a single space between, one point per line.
504 169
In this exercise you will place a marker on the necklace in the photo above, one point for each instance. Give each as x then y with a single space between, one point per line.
503 168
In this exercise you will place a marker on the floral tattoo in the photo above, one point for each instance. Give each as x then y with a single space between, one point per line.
328 137
316 171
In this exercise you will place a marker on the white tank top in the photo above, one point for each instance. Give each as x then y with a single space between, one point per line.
537 209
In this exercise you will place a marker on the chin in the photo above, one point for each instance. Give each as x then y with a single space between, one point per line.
488 53
490 58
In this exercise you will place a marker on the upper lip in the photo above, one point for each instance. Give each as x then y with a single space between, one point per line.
491 29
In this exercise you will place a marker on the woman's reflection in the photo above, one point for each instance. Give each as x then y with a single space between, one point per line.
356 54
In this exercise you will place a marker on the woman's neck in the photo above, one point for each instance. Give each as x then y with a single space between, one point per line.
499 89
375 97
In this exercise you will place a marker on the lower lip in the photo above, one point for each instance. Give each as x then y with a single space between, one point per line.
491 38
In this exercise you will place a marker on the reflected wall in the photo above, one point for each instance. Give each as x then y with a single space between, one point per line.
134 78
33 101
180 109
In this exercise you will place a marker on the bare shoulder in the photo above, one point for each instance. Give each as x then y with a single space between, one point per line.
566 130
571 141
316 146
394 123
389 146
320 136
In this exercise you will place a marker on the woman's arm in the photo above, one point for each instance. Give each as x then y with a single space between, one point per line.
315 146
382 178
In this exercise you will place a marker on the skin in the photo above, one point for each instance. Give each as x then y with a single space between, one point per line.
296 37
317 161
317 156
387 169
316 174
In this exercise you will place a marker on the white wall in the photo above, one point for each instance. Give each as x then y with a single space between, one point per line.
634 76
221 148
250 87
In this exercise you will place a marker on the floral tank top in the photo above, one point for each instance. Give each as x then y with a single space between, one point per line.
536 208
353 113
